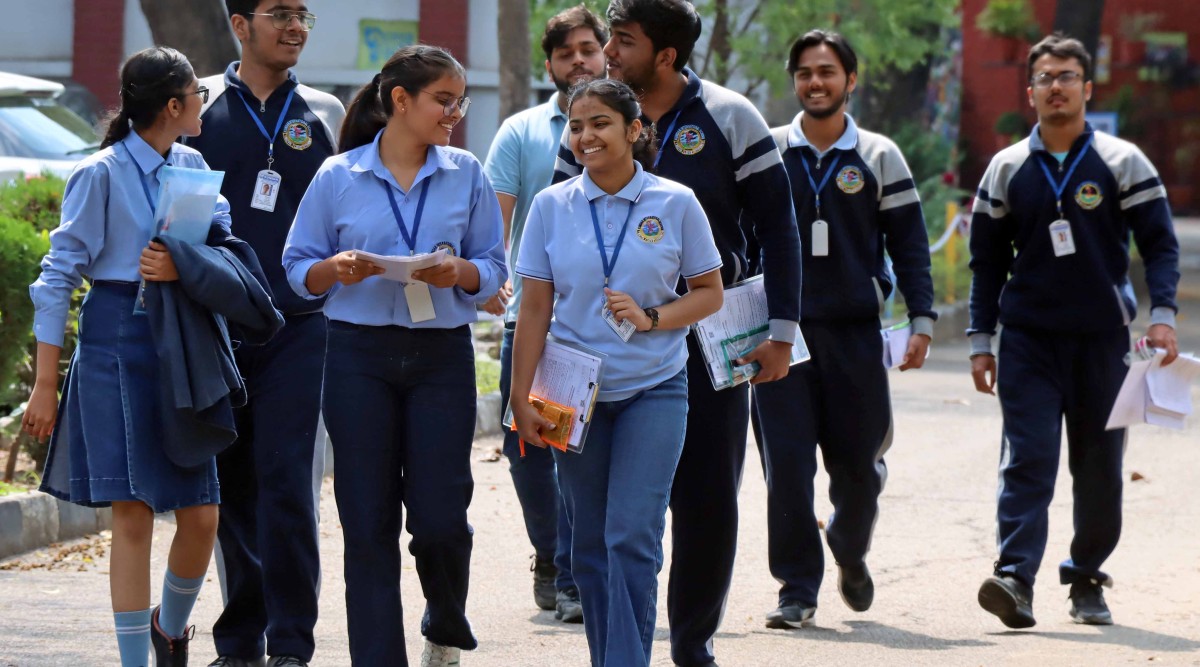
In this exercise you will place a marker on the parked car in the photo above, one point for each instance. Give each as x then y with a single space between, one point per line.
37 133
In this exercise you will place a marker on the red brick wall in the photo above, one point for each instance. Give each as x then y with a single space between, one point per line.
98 47
445 23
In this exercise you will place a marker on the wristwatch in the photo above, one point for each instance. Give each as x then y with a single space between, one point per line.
653 315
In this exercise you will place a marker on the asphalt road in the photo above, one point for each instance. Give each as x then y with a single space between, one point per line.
934 544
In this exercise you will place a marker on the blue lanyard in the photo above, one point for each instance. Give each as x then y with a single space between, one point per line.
1060 187
824 179
263 129
410 240
608 268
142 180
662 144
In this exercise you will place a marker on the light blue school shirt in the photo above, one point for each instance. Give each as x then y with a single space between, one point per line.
106 222
669 237
520 163
346 208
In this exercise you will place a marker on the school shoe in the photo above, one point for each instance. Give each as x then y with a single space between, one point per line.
790 615
856 586
436 655
286 661
230 661
1087 602
568 608
1008 598
169 651
544 574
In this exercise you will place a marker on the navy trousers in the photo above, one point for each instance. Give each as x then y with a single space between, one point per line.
704 512
1042 378
839 401
535 479
400 408
268 528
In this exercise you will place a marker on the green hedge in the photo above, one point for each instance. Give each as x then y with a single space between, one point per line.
21 249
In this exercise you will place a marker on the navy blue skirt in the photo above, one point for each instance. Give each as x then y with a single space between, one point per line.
107 443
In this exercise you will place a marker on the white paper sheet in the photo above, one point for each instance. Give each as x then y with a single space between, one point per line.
895 344
568 375
400 267
1156 394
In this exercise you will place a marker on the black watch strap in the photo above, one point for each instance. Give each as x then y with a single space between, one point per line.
653 315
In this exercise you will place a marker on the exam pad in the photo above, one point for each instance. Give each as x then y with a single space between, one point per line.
1156 394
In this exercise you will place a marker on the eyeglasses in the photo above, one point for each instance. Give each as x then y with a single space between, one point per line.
1066 79
461 103
281 19
202 92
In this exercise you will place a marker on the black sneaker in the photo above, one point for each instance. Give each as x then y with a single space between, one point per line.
544 574
169 651
568 608
286 661
1008 598
230 661
790 615
856 587
1087 603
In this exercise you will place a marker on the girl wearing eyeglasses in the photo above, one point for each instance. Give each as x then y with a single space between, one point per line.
106 436
399 396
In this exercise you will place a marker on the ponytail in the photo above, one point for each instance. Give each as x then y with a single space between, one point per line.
149 79
620 98
411 68
644 150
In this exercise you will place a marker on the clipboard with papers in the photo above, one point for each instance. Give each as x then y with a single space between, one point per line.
565 386
737 328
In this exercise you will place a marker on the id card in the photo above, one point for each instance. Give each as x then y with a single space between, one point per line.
420 302
623 329
1060 236
266 190
820 238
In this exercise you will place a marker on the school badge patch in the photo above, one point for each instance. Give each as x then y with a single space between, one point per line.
447 246
850 180
1088 196
650 229
689 140
297 134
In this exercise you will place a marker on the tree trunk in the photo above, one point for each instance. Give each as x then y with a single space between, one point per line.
198 28
720 51
1080 19
513 36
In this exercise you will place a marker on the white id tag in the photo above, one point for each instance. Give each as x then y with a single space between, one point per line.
266 190
420 302
623 329
1060 236
820 238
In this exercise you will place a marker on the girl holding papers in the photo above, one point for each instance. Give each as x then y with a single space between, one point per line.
399 397
107 435
611 245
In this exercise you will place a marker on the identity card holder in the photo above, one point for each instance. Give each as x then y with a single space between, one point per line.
565 388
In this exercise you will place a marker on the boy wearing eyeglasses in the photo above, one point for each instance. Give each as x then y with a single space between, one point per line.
1050 256
270 134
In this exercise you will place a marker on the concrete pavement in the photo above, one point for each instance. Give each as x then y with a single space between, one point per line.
934 544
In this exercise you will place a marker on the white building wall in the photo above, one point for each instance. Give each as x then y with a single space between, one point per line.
36 38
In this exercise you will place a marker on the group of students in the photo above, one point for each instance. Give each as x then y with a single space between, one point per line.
666 189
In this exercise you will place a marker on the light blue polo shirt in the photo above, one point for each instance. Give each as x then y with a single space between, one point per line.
520 163
346 208
668 237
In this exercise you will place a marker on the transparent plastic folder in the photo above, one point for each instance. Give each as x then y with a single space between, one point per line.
568 379
736 329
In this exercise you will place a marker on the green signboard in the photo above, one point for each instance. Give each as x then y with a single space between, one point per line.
378 40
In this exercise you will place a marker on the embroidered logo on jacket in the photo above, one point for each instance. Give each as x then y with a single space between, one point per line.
1088 196
297 134
650 229
850 180
689 140
447 246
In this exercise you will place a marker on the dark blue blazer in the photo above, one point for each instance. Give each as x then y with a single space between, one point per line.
221 286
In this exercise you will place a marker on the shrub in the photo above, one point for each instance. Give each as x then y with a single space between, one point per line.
37 200
21 248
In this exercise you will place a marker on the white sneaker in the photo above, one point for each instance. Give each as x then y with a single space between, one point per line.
439 656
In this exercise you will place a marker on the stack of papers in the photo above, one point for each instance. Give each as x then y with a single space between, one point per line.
400 267
1156 394
895 344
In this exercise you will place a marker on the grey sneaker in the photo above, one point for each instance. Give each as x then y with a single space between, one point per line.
790 615
230 661
1008 598
436 655
1087 603
544 574
856 586
569 609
